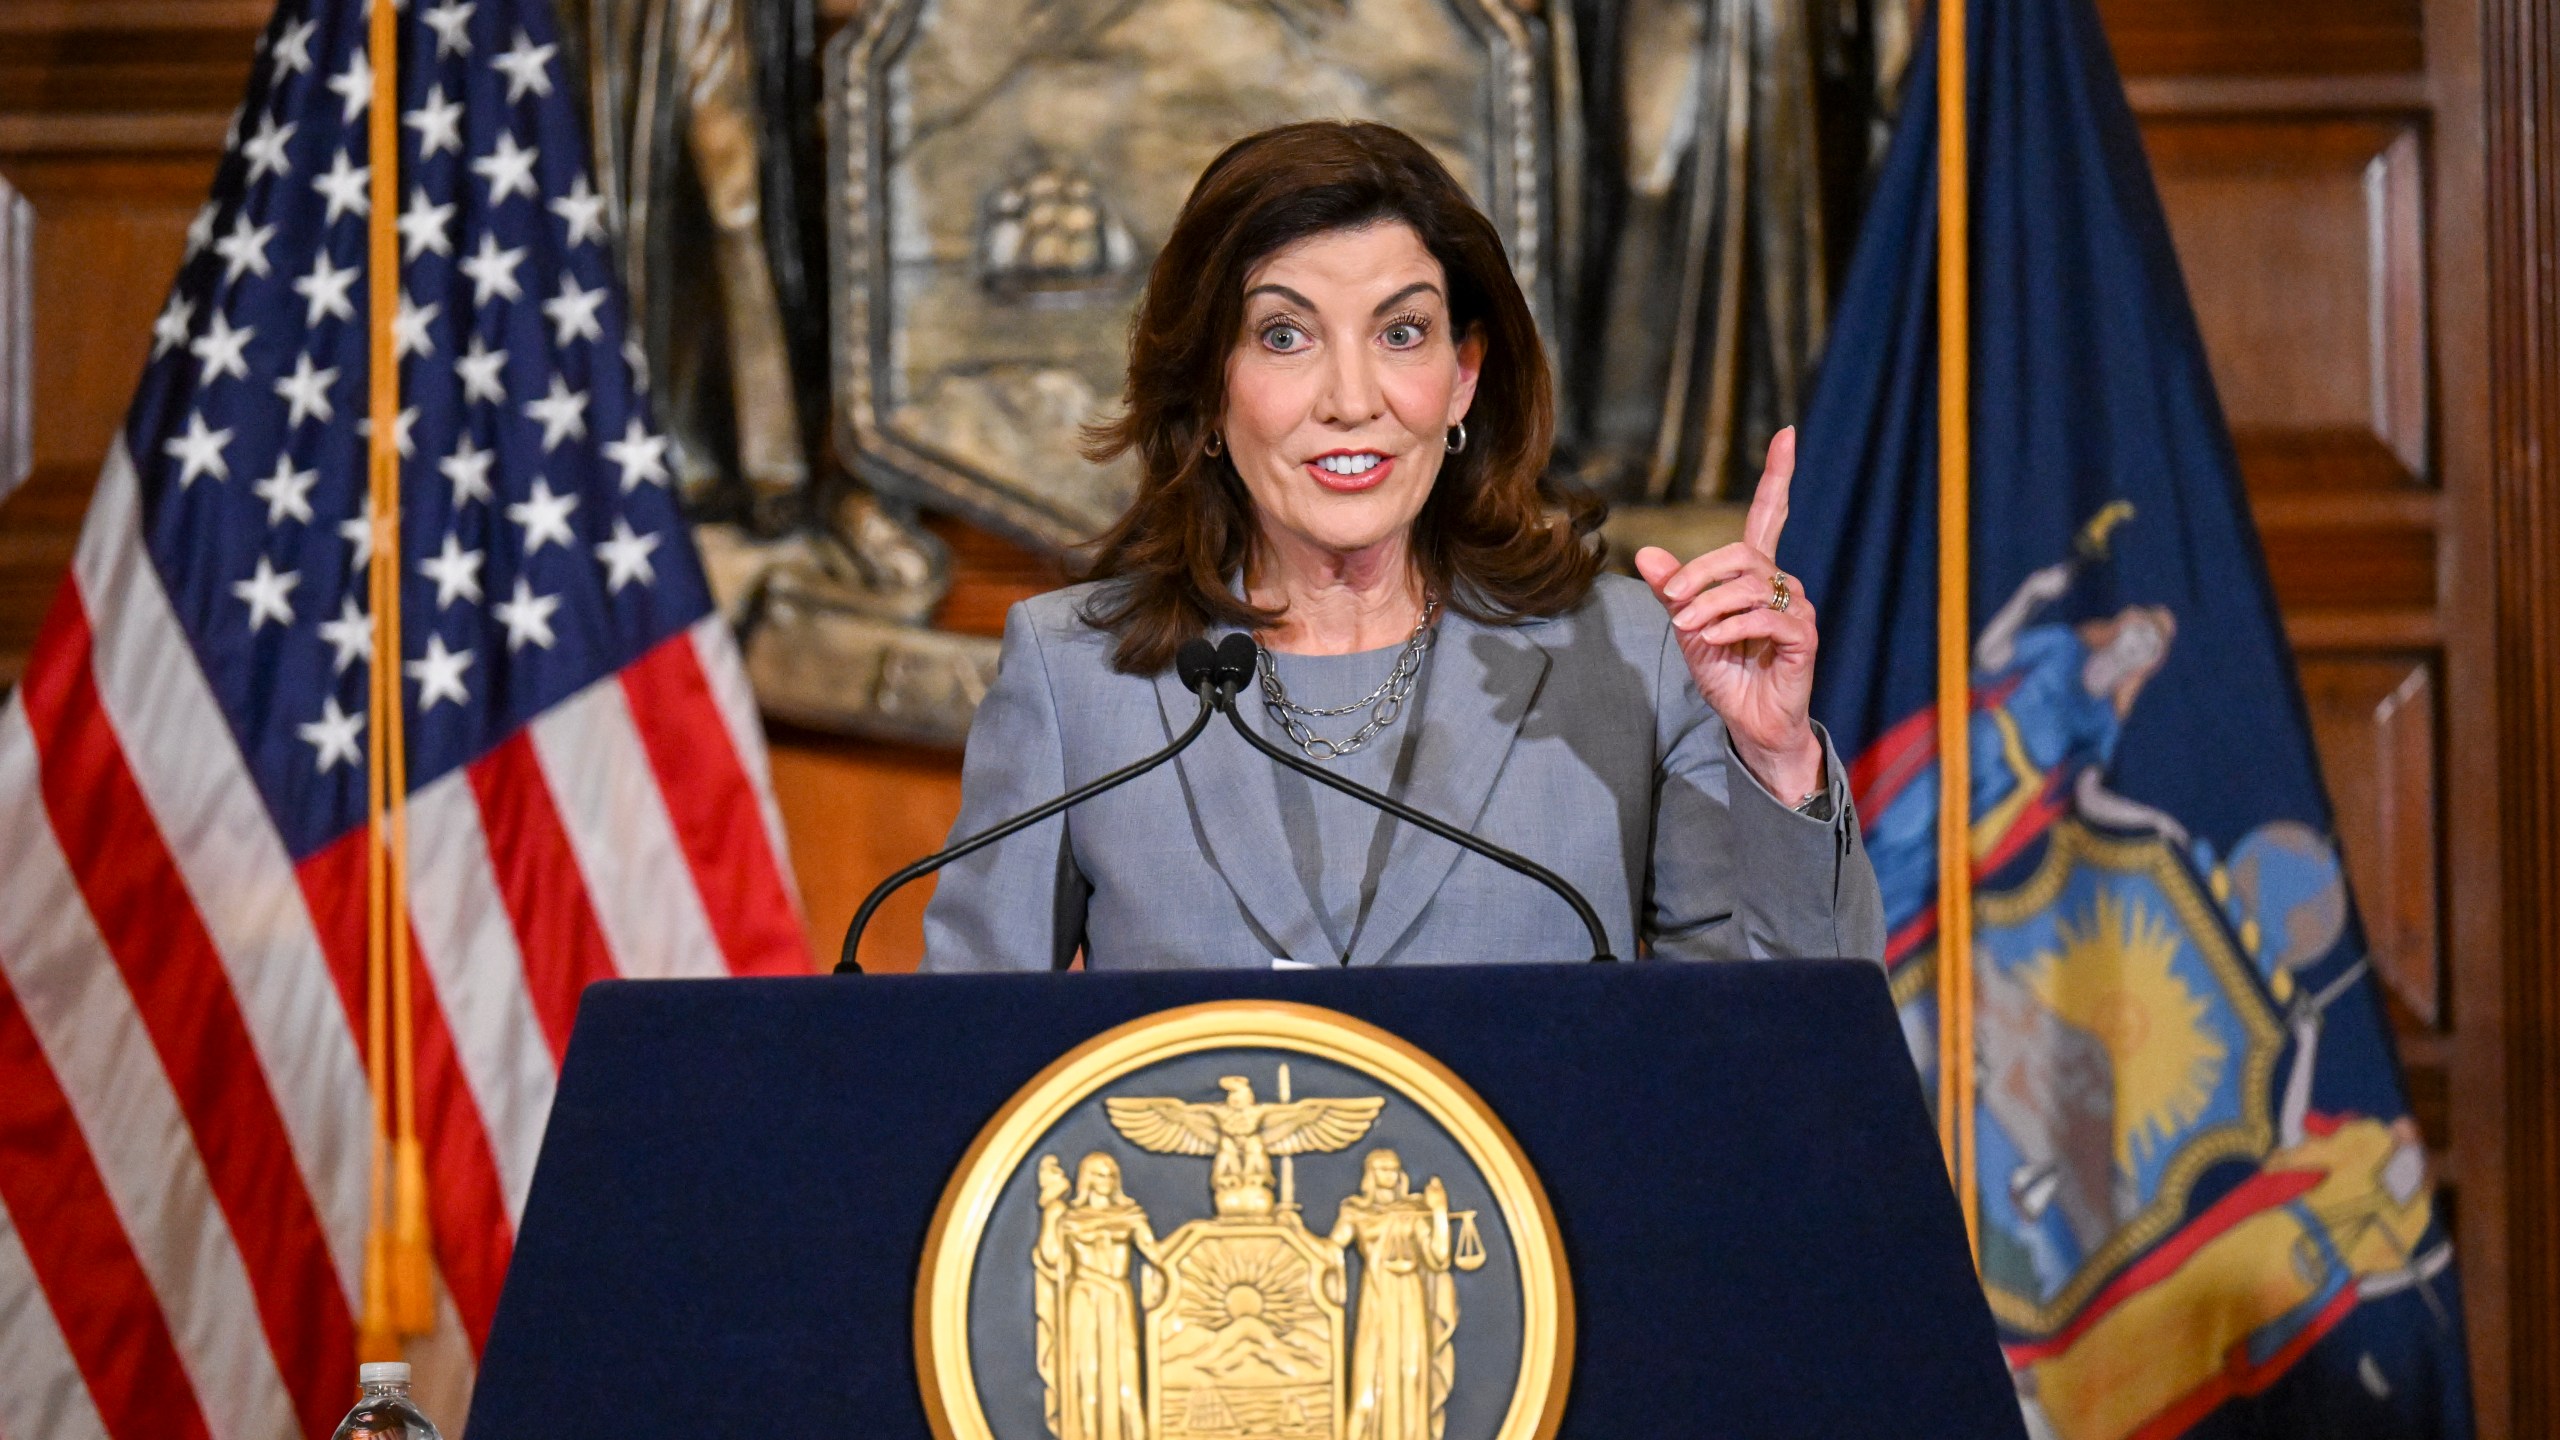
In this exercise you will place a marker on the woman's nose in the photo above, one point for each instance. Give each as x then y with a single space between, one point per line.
1351 395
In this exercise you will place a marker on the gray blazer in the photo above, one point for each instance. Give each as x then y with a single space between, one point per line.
1579 741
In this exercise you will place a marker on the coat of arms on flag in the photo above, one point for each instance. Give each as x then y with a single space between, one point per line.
2140 1021
2204 1209
186 1134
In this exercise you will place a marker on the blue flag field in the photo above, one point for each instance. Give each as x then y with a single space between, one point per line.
2205 1209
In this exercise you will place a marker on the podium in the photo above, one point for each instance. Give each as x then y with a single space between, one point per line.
735 1194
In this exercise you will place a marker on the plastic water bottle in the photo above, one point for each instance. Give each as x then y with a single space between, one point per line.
386 1412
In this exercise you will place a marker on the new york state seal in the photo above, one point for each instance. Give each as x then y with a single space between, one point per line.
1248 1220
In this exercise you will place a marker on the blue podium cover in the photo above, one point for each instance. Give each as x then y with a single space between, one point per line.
733 1196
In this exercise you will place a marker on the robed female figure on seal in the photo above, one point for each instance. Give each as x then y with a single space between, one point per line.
1087 1342
1403 1357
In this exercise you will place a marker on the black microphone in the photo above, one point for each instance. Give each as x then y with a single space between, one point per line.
1230 662
1212 673
1238 650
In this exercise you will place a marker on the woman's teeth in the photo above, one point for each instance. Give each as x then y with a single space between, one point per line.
1349 464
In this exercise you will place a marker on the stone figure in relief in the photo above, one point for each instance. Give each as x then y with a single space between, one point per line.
1726 148
703 118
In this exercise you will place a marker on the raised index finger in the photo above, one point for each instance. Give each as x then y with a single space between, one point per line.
1768 517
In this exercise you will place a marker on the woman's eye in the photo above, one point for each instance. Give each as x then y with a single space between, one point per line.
1284 337
1403 335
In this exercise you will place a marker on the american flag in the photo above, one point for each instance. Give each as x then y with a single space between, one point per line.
184 1117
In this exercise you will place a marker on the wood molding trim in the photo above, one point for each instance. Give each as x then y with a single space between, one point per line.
121 17
2520 74
2401 628
2276 94
144 133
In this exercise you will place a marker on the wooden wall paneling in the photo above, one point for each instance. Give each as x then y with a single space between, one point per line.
2373 718
989 574
2477 942
2303 241
109 231
2265 37
89 58
2332 558
2519 91
2395 248
39 526
112 114
2427 623
855 813
2300 226
17 324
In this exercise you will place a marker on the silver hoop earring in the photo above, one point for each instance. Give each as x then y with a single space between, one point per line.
1457 440
1217 445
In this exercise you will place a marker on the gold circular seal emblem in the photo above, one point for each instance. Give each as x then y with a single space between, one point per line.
1244 1219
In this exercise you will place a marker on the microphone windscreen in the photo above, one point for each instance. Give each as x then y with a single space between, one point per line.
1235 659
1194 662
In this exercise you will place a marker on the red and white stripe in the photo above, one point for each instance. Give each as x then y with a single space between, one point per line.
46 1395
183 1113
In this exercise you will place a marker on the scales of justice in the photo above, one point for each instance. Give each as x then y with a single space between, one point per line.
1243 1325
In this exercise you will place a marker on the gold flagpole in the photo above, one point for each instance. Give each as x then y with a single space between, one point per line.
1955 625
378 1331
399 1296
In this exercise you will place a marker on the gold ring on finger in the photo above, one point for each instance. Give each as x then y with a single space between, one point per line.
1780 597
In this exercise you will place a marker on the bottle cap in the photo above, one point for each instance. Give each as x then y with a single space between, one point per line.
383 1372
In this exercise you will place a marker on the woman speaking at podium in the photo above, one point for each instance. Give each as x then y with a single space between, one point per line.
1342 416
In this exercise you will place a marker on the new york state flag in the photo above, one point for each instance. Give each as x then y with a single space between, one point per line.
2205 1210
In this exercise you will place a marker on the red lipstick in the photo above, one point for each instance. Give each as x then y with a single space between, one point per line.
1369 479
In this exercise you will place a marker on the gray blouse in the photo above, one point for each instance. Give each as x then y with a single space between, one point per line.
1337 845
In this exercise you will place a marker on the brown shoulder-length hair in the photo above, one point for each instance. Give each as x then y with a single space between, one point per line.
1498 539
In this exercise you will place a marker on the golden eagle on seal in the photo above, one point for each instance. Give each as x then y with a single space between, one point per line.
1243 1134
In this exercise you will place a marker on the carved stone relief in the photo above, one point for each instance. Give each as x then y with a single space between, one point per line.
1675 180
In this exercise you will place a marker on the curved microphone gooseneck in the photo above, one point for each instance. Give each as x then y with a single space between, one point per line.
1239 648
1204 669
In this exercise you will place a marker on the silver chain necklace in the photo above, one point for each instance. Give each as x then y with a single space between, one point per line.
1384 704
